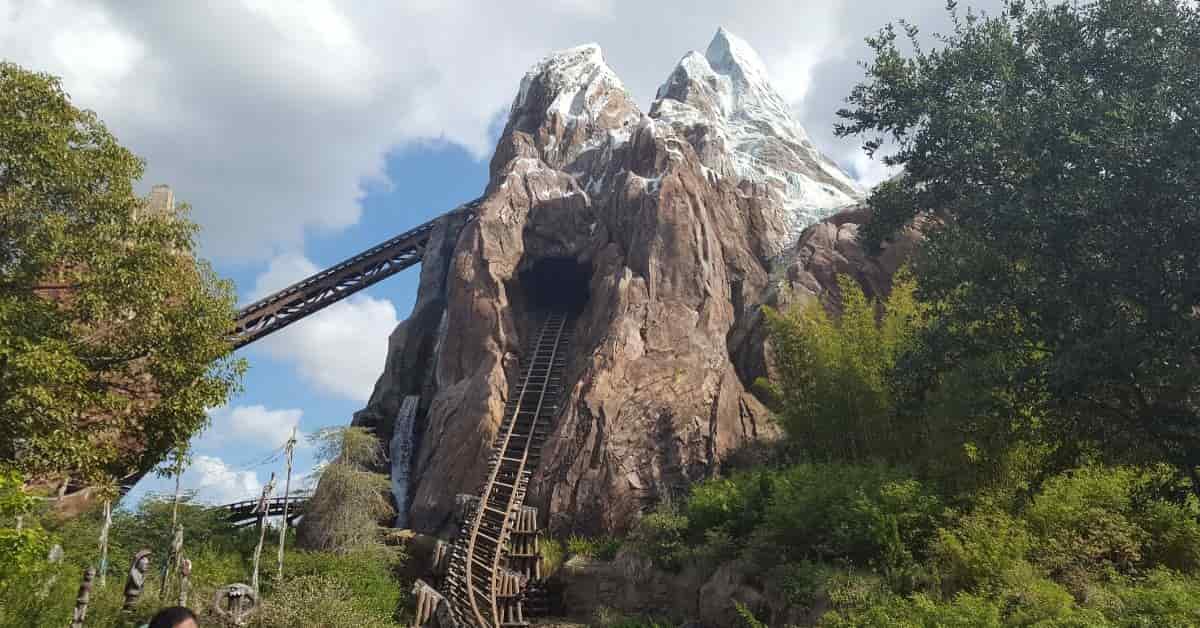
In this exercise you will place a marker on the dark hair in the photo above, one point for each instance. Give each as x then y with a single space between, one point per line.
171 617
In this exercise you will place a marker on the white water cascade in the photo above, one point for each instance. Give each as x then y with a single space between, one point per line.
400 450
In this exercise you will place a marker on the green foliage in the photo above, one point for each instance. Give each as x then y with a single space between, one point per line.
1163 599
1097 522
318 601
597 548
553 555
868 516
747 616
734 504
608 618
321 588
1055 148
96 294
980 551
1085 524
833 394
919 611
21 550
661 536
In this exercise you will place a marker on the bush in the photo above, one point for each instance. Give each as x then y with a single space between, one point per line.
661 537
1173 535
979 551
553 555
316 600
802 583
735 504
597 548
1098 521
919 611
834 393
1165 598
859 515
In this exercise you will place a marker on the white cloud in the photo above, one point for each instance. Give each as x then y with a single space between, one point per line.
214 482
270 116
342 349
253 426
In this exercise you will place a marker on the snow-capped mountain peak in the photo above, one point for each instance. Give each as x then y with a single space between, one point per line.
750 132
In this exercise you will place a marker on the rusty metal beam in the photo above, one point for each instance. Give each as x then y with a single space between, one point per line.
312 294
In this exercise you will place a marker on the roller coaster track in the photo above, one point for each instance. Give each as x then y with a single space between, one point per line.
247 511
312 294
476 577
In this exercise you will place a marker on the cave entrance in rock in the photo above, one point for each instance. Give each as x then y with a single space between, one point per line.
557 283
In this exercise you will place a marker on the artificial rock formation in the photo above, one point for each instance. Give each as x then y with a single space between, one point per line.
667 231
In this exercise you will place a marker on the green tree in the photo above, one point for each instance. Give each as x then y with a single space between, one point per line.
1053 151
833 391
22 547
111 331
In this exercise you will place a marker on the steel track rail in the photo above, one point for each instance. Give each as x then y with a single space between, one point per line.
317 292
480 562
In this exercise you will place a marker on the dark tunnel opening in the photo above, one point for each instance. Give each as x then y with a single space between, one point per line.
557 283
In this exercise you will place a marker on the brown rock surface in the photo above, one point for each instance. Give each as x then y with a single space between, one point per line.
677 252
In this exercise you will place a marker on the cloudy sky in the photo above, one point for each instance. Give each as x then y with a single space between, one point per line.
302 131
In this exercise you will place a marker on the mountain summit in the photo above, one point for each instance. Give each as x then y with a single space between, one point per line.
723 101
660 235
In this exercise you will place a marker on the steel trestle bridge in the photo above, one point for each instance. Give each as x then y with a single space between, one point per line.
312 294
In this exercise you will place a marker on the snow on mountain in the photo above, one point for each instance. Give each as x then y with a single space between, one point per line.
724 103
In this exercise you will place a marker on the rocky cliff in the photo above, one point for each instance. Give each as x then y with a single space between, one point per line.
666 231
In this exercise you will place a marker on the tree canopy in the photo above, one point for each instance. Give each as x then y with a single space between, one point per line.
1055 150
112 333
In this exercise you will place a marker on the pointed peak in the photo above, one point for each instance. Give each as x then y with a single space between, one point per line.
563 74
730 54
585 57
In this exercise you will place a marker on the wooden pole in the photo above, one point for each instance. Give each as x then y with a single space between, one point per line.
81 600
263 509
104 542
287 488
172 561
180 454
185 580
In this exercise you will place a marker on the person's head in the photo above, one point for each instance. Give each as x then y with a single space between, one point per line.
174 617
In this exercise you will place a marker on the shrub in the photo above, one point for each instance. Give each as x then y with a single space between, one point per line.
661 537
553 555
1164 598
735 504
316 600
1032 600
1173 535
1082 524
979 551
855 514
801 583
919 611
834 394
596 548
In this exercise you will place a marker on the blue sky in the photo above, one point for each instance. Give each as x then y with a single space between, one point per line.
304 131
426 180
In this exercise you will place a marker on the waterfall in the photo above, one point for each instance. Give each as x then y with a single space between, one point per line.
400 450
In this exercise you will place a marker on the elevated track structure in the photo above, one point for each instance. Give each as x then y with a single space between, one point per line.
494 563
247 511
495 554
317 292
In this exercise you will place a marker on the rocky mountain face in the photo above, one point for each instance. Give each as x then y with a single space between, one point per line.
668 230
